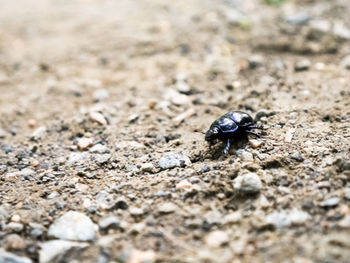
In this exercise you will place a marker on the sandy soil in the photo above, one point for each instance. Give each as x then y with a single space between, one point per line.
137 79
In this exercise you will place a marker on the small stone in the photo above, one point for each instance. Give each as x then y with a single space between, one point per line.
2 133
346 62
136 211
255 61
16 218
346 196
98 117
244 155
286 218
248 183
105 200
184 185
331 202
99 148
216 239
31 123
302 65
15 227
38 133
298 18
53 195
102 158
255 143
137 228
84 143
111 222
133 117
147 168
77 157
100 95
172 160
73 226
6 257
37 230
13 242
340 30
296 156
345 222
60 204
182 87
60 251
234 217
167 208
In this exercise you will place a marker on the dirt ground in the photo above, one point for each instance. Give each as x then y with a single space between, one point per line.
100 103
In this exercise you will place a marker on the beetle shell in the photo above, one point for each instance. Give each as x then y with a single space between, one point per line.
231 125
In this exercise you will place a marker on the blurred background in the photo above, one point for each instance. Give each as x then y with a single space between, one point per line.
135 79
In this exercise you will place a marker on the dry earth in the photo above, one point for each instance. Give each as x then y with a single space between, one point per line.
99 105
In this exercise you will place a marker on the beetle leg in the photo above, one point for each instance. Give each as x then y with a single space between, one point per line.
227 147
251 132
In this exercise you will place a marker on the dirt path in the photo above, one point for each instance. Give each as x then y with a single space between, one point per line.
99 103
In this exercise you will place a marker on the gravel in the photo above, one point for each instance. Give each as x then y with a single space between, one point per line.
73 226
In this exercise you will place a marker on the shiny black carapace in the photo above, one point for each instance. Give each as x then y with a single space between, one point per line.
229 126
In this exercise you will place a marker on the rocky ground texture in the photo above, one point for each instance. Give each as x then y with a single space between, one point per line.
100 102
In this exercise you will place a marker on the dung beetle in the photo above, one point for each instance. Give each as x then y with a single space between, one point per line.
231 125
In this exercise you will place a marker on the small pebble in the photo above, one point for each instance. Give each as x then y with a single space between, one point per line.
100 95
182 87
109 222
31 123
171 160
73 226
7 257
244 155
216 239
248 183
346 62
136 211
98 117
255 143
84 143
255 61
137 228
99 148
184 185
13 242
167 208
60 251
331 202
302 65
15 227
286 218
38 133
133 118
147 168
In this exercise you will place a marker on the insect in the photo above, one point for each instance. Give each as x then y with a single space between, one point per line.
229 126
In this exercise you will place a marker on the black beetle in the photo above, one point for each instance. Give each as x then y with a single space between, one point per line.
231 125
